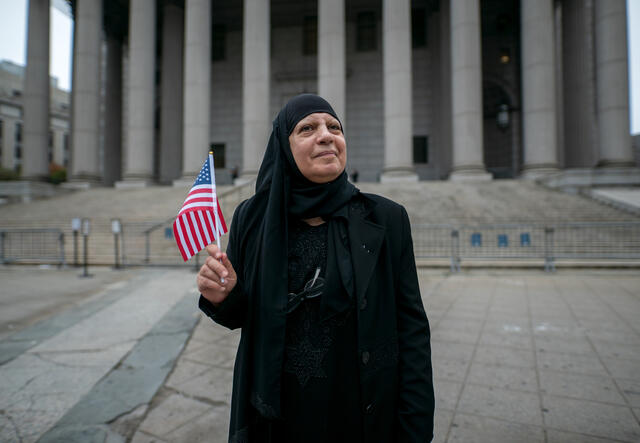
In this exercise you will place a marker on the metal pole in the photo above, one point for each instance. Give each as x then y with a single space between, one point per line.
147 247
61 241
2 234
549 265
115 239
122 244
455 259
85 272
75 249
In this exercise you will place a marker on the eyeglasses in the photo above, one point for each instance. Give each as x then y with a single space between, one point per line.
312 289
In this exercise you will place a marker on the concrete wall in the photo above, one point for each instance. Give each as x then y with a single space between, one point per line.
636 148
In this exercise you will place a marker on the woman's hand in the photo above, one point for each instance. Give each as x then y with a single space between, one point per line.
213 272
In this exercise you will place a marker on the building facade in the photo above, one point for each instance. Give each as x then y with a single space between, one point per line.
426 89
11 119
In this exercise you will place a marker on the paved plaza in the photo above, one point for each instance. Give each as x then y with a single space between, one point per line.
518 355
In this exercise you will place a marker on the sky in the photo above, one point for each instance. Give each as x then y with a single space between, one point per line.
13 15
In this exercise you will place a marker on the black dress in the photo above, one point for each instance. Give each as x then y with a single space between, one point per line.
320 388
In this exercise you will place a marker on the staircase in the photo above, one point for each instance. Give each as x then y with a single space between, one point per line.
153 209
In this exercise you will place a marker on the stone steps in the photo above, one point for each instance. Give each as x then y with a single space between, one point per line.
428 203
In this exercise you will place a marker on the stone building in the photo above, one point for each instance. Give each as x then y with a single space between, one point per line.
426 89
11 119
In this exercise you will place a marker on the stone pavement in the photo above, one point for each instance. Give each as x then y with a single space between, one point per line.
518 356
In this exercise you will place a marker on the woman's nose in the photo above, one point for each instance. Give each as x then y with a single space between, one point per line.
324 135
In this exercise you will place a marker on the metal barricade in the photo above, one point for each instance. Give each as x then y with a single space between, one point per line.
32 245
527 242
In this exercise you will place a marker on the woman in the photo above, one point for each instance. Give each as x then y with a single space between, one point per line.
322 280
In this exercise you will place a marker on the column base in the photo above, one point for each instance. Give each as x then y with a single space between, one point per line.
245 177
398 175
470 173
132 184
616 164
78 184
184 182
535 172
575 179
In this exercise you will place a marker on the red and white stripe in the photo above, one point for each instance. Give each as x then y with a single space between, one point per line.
193 228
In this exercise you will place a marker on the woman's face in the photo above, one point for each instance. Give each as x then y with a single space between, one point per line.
318 147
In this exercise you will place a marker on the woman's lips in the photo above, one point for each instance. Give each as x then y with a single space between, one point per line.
326 153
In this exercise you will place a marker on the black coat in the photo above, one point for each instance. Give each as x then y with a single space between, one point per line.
396 388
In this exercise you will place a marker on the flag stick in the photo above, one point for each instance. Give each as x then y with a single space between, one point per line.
216 232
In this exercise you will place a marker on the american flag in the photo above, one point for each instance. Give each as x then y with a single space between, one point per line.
193 228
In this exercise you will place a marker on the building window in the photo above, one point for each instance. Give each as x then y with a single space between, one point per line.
65 149
421 149
17 153
310 36
418 28
50 148
218 42
219 155
366 39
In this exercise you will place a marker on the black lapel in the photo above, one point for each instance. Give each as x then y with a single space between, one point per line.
365 239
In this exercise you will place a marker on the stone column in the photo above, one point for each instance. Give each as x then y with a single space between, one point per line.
113 113
466 91
538 88
86 92
612 84
138 156
255 87
197 88
171 107
331 54
36 93
398 124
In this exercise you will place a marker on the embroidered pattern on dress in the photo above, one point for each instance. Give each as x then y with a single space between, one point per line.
309 340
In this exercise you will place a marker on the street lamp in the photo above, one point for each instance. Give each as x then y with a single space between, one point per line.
502 118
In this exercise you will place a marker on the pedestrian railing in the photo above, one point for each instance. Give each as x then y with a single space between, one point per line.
32 245
547 243
148 243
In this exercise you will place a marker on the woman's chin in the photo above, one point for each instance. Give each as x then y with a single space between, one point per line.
326 176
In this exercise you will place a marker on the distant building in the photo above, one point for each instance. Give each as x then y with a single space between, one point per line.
427 89
11 120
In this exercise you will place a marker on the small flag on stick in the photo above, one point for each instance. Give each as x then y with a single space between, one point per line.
200 221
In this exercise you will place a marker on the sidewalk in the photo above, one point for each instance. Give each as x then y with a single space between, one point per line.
518 356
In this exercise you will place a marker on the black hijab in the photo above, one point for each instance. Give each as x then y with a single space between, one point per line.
282 191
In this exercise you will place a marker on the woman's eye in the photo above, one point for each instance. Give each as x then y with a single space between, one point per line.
306 128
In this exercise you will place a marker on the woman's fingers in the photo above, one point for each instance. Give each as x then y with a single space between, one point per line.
228 266
209 274
215 266
216 277
206 284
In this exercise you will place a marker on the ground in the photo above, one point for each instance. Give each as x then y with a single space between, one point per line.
518 355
